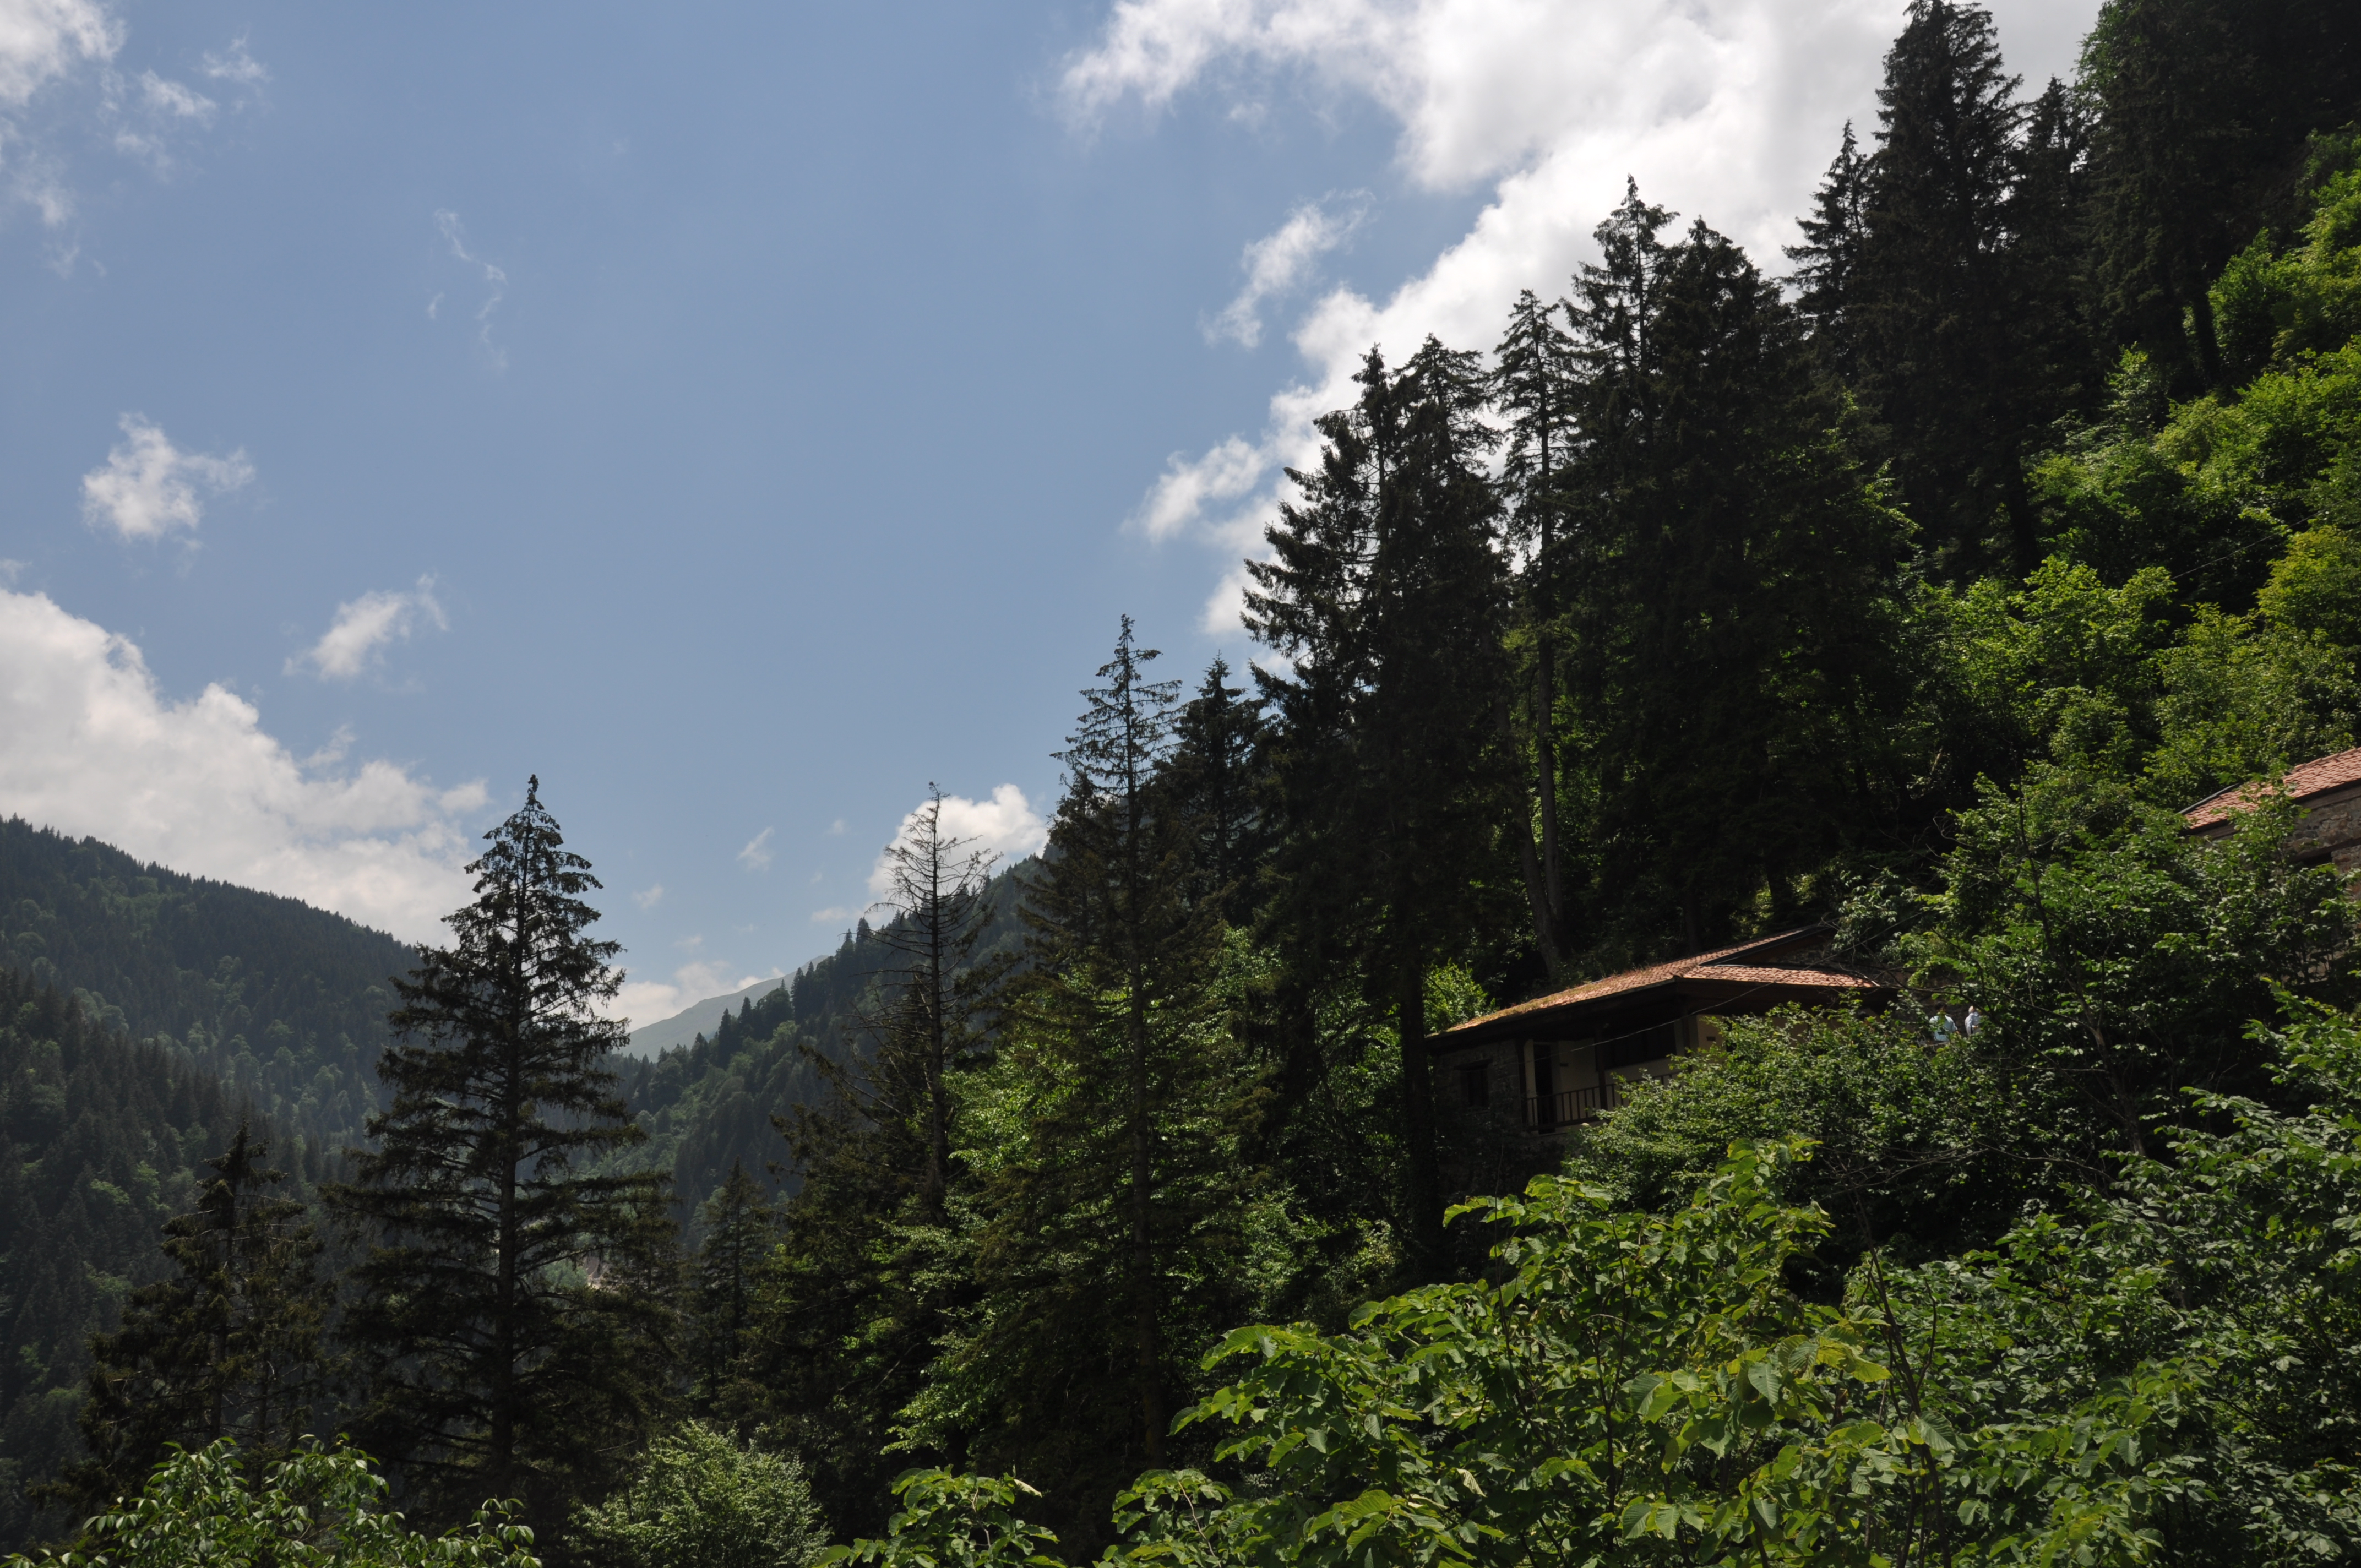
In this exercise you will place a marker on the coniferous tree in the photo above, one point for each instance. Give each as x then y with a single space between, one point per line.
740 1226
1121 961
2202 112
1933 293
851 1305
1213 774
513 1315
228 1346
1533 387
1387 591
1743 628
1112 1233
1829 261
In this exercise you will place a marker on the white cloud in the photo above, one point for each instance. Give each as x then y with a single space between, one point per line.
233 65
1724 109
171 98
148 486
42 40
1004 825
833 914
496 282
95 748
648 1000
648 898
756 855
835 828
364 626
1281 261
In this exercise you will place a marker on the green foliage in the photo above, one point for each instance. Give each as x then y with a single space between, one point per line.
318 1508
286 1004
1916 1144
102 1141
492 1357
699 1499
227 1347
953 1521
1637 1388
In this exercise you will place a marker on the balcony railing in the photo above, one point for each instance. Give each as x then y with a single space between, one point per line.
1547 1112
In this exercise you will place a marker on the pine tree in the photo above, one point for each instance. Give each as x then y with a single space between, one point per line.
1111 1212
740 1227
1829 261
229 1346
928 1025
852 1306
513 1314
1742 650
1934 291
1213 774
1533 388
1387 591
1121 961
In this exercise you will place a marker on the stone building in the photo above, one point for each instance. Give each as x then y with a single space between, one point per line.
2327 789
1534 1070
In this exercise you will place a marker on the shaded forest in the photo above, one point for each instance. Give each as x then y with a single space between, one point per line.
1912 584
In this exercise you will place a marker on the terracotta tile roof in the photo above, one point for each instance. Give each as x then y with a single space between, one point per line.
2302 782
1698 966
1748 974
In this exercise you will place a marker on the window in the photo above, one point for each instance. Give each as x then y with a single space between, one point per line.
1475 1083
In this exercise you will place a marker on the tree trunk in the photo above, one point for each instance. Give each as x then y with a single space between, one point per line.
1147 1338
1423 1194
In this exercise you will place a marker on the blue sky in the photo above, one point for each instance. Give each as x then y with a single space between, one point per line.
741 416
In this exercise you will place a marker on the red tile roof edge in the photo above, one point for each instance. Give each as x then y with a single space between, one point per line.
2302 782
1657 974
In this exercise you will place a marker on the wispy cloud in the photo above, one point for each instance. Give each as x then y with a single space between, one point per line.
364 626
1283 259
756 855
833 914
233 65
495 283
58 75
148 486
648 898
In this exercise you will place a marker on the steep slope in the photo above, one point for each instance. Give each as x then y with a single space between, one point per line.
653 1039
711 1103
101 1139
284 1001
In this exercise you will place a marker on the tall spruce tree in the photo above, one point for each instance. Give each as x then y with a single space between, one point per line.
1828 260
1533 388
1387 591
228 1346
1934 294
1112 1214
1742 655
1213 773
513 1317
853 1303
740 1227
1121 961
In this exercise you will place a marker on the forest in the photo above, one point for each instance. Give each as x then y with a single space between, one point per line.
1105 1206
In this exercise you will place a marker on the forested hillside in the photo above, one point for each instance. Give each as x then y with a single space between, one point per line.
285 1002
100 1142
1915 586
709 1105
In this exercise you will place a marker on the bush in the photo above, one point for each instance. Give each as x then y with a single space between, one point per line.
700 1499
